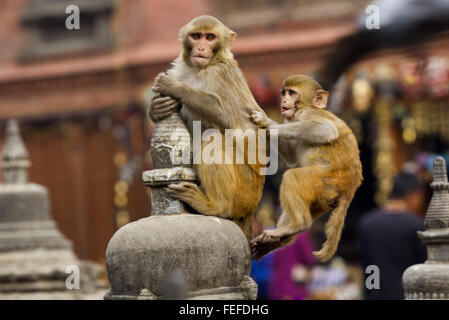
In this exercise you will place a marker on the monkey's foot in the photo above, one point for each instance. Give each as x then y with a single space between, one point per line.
270 240
264 244
191 194
184 191
269 236
260 249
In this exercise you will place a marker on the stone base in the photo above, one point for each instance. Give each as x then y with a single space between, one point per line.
430 280
28 235
213 254
41 274
427 281
25 221
55 295
247 290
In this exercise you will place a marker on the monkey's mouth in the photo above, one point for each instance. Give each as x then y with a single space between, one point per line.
200 56
287 112
200 60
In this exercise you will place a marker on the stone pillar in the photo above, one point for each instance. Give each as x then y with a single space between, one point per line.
431 279
175 253
34 254
171 152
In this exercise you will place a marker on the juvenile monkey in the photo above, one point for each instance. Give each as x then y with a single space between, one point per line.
207 82
325 169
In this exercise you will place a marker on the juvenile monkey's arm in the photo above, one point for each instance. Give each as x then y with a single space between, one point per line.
261 119
202 104
315 131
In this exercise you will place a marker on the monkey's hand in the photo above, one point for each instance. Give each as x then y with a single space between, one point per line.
161 107
165 84
259 119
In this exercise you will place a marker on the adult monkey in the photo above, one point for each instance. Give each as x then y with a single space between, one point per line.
207 82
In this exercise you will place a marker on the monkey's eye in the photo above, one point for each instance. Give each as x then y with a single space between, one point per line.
291 92
283 93
210 36
195 35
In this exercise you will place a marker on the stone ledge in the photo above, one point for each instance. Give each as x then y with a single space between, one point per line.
158 177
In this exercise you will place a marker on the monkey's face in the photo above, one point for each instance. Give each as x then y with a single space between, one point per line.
203 45
289 100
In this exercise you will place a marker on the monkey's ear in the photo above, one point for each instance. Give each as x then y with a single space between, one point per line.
232 36
320 99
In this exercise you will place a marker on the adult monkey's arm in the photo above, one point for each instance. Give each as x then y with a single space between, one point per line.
204 105
162 106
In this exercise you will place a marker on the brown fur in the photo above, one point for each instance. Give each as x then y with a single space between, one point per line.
219 97
325 174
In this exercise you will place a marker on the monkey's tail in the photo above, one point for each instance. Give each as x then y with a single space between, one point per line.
334 226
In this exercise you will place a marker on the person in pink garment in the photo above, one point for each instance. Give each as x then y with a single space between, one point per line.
281 285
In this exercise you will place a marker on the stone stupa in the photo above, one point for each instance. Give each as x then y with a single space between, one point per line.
175 254
34 255
430 280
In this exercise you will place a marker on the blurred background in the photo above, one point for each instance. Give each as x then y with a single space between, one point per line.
81 97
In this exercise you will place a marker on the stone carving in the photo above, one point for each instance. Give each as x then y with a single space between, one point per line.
212 254
438 212
161 156
171 153
34 254
431 279
170 143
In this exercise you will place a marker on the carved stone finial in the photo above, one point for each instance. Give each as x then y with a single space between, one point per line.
15 158
430 280
437 216
171 152
439 171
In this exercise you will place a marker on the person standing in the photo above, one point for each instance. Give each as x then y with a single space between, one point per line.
387 237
